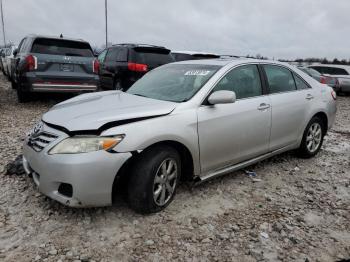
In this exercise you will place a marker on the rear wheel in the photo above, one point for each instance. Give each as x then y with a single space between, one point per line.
312 138
154 179
23 96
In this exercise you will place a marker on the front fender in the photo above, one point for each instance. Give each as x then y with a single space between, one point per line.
180 127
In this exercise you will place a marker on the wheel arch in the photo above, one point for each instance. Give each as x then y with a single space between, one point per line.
187 165
323 116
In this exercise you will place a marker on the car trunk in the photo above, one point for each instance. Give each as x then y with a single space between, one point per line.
63 61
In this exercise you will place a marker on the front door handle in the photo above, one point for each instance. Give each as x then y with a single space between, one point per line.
263 106
309 97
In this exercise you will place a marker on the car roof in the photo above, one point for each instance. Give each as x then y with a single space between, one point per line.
230 61
34 36
139 45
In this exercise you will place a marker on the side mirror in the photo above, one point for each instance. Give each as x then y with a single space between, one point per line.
222 97
15 52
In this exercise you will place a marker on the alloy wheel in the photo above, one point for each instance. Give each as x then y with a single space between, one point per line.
165 182
314 137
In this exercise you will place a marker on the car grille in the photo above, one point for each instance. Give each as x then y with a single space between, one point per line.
41 140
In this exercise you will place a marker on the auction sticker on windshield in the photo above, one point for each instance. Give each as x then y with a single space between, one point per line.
197 73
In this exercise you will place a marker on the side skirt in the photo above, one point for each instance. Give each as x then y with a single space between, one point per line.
232 168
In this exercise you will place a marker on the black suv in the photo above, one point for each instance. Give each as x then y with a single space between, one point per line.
123 64
49 64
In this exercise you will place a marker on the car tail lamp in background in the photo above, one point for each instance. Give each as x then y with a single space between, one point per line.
96 66
337 84
334 95
323 80
137 67
31 63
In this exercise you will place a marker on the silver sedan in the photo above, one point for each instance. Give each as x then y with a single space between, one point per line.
192 120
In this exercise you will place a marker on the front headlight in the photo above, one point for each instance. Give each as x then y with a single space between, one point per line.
75 145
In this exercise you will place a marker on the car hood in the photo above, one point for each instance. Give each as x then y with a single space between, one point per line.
97 111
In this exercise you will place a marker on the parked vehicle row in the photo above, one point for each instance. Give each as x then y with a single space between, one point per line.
57 64
190 120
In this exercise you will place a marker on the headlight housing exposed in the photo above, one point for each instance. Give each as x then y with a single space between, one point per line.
81 144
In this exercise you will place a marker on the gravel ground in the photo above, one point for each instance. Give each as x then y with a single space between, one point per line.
299 211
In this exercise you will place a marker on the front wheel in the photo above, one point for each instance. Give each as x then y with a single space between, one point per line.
154 179
312 138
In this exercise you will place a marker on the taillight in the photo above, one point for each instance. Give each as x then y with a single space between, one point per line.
31 63
323 80
137 67
96 66
337 83
334 95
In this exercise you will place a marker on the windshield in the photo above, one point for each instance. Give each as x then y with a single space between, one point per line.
176 83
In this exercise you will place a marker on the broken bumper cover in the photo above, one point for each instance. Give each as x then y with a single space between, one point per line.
91 175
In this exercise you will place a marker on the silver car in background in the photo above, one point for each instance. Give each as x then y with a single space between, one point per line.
191 120
340 72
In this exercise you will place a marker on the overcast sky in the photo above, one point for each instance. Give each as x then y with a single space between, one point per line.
273 28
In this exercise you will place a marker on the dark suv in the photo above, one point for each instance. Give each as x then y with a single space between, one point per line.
49 64
123 64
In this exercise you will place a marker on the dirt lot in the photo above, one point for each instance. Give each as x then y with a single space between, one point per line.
300 210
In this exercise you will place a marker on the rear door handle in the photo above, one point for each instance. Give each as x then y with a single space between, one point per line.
309 97
263 106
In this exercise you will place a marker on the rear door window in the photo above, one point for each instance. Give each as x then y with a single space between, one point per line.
61 47
280 79
244 81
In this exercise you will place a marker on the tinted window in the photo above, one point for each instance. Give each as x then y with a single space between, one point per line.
330 70
300 83
176 83
101 57
244 81
111 55
61 47
151 56
280 79
122 55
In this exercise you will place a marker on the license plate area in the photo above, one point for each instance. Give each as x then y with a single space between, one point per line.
66 67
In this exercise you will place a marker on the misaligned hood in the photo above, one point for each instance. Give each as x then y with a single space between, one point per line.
92 111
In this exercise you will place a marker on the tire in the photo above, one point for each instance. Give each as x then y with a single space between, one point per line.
150 187
117 85
22 96
312 138
13 84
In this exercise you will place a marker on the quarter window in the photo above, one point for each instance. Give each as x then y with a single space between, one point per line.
300 83
244 81
280 79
